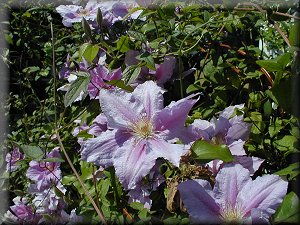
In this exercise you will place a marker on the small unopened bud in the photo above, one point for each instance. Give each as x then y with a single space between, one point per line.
87 29
99 18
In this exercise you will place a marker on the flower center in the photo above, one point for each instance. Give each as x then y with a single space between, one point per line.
232 215
218 139
142 128
84 12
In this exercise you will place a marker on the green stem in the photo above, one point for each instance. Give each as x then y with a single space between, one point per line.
114 186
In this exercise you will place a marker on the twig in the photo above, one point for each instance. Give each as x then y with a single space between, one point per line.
100 214
277 13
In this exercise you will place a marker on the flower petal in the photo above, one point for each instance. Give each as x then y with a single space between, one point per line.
100 150
120 108
265 193
229 182
65 9
99 125
237 147
250 163
173 116
164 71
238 130
171 152
133 161
203 129
201 206
215 165
151 96
226 113
259 217
119 9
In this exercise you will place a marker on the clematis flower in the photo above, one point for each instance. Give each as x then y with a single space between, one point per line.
228 130
140 130
163 72
235 198
47 201
99 74
12 158
74 13
21 213
45 173
112 11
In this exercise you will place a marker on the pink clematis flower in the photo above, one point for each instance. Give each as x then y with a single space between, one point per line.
112 11
21 213
235 198
163 72
74 13
140 130
99 75
229 130
45 173
12 158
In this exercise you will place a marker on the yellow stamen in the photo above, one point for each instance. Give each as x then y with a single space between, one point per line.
142 128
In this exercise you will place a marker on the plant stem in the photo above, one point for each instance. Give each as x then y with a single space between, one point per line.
100 214
53 71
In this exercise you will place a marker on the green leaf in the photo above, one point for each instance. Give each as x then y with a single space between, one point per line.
9 38
134 75
148 27
143 214
58 192
105 184
91 52
79 85
295 34
171 221
292 170
192 88
203 150
82 49
137 36
288 211
123 44
146 57
275 127
267 108
120 84
137 205
33 152
270 65
31 69
206 15
68 180
284 59
285 98
287 143
256 119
